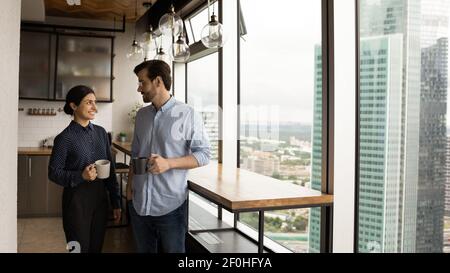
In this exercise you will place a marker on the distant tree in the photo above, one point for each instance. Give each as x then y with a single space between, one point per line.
276 175
292 177
300 223
273 224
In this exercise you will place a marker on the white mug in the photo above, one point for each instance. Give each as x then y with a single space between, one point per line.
102 167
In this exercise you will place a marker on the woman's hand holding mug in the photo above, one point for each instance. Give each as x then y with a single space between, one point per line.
89 173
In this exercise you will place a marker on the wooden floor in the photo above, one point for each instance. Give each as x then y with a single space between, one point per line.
46 235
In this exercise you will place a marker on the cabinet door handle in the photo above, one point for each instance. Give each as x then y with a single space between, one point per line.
29 167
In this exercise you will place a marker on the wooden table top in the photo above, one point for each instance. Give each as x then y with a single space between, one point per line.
239 189
124 147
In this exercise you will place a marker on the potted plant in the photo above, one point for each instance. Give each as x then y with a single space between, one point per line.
134 110
122 137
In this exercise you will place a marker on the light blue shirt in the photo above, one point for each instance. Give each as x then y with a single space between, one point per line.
175 130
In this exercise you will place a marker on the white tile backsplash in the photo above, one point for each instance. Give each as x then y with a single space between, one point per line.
33 129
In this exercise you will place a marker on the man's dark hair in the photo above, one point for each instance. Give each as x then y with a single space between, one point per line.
156 68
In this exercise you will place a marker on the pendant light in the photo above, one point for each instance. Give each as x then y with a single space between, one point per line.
135 51
212 34
162 56
148 43
170 23
148 38
180 50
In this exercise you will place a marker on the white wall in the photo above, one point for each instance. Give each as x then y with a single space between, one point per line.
9 79
344 143
33 129
125 84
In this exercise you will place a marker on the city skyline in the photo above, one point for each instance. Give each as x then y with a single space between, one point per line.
389 125
403 100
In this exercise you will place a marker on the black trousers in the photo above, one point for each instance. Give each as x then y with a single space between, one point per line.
85 215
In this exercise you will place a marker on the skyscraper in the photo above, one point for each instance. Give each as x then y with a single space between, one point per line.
447 184
433 142
211 121
389 124
381 123
433 109
434 21
316 161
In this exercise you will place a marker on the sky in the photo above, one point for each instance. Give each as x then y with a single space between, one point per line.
277 57
277 60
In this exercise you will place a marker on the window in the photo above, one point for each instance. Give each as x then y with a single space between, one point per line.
280 111
195 24
404 192
203 95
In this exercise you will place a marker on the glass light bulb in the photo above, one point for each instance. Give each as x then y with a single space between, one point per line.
170 23
148 44
212 34
148 41
162 56
180 50
135 52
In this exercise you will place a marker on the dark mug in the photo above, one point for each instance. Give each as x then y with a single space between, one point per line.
140 165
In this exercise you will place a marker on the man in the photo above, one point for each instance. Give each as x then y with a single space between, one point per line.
172 136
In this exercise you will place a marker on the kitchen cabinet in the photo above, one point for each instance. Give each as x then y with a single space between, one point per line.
36 195
51 63
22 185
84 61
35 65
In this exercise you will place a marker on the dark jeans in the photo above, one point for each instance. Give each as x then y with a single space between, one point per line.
160 234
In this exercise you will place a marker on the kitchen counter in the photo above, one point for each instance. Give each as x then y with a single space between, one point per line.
34 151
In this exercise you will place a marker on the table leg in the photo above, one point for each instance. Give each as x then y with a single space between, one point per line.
219 212
261 232
187 212
236 219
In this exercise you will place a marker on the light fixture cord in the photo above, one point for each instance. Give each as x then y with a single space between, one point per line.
135 19
114 27
182 26
209 15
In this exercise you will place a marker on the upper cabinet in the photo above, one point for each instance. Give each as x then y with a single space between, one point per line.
52 63
34 72
86 61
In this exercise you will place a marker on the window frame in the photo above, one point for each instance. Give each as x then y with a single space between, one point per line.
198 50
357 131
327 183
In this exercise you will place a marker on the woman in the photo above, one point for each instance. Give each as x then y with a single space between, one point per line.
75 149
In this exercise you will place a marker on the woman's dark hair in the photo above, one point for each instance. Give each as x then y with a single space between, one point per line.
156 68
76 95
